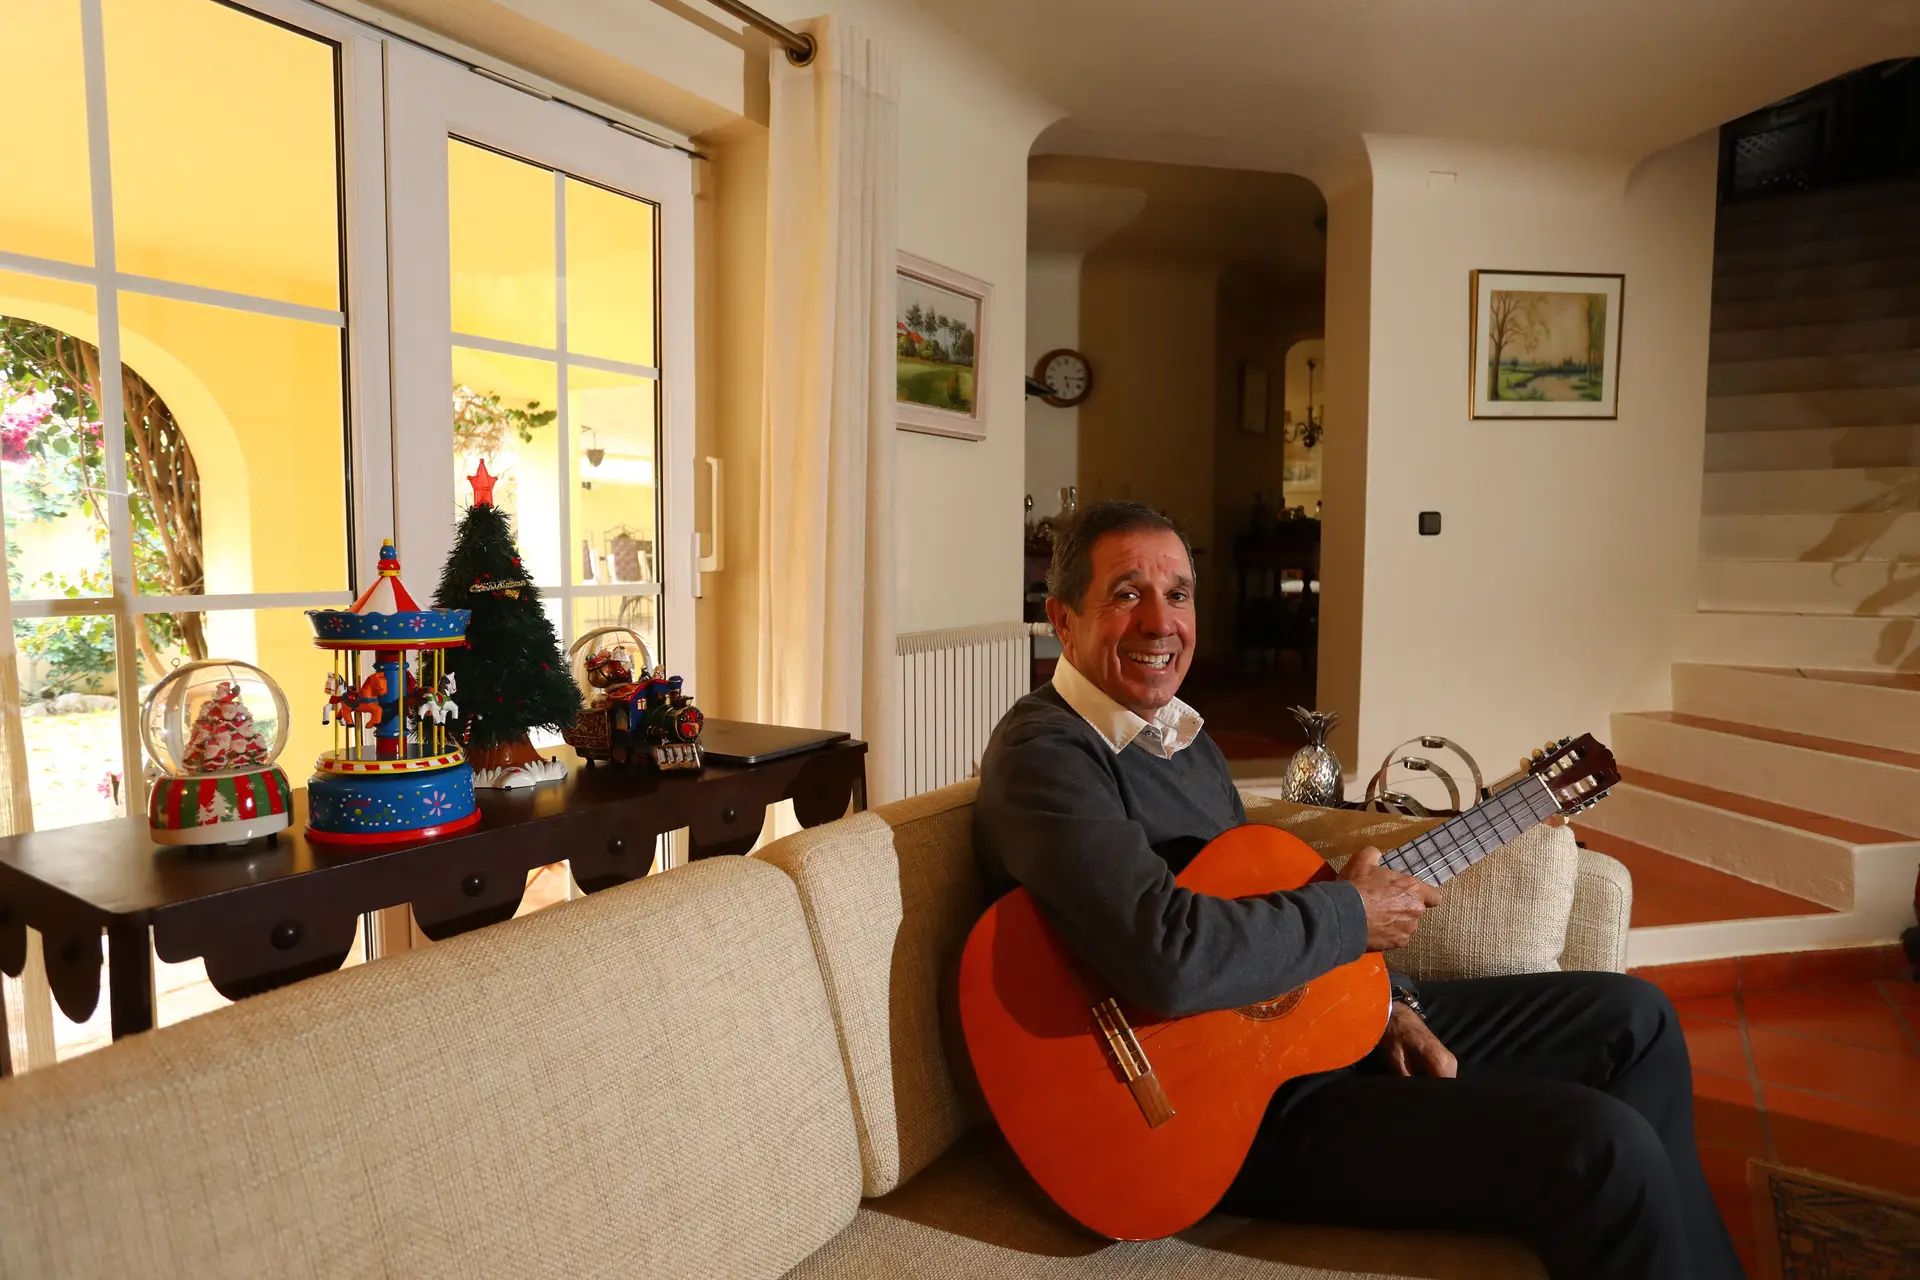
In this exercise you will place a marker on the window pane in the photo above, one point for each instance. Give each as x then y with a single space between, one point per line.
503 411
48 215
637 613
609 274
613 494
70 718
52 467
236 450
502 253
224 166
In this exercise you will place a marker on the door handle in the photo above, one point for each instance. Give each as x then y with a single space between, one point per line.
716 560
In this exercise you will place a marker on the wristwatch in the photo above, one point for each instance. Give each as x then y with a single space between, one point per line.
1412 1001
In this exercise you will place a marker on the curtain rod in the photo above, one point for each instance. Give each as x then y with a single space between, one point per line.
799 48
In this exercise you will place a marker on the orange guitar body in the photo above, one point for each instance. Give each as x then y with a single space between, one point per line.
1056 1086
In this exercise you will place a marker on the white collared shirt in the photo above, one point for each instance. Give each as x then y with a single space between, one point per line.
1173 727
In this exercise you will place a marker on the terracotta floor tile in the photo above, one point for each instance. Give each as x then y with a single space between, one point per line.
1901 991
1726 1170
1845 964
1764 973
1718 1008
1890 1080
1697 978
1673 890
1715 1046
1828 1017
1725 1112
1845 1139
1749 1256
1862 992
1786 737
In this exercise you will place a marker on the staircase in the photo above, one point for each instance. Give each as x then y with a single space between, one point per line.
1777 806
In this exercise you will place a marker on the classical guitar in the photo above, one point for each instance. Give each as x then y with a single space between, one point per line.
1136 1124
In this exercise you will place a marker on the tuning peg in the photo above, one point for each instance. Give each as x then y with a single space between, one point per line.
1566 742
1538 754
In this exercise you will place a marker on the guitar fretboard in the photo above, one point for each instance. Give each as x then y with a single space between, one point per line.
1439 855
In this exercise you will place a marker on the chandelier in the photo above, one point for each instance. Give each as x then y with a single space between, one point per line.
1313 430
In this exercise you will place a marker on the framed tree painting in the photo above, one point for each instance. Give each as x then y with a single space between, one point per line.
940 348
1546 344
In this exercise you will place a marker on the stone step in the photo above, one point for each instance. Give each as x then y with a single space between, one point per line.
1875 537
1872 708
1814 373
1873 590
1815 308
1896 242
1751 226
1805 641
1873 786
1809 855
1669 890
1815 448
1843 338
1814 491
1795 410
1859 195
1848 277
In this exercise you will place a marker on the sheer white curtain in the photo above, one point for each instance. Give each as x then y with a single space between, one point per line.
826 429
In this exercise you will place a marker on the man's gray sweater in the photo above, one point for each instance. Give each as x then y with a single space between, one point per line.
1098 837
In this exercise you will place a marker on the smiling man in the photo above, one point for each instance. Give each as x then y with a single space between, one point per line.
1556 1107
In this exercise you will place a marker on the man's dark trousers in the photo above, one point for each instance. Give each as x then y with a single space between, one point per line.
1570 1126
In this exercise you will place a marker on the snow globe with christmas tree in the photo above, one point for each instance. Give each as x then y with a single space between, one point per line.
213 730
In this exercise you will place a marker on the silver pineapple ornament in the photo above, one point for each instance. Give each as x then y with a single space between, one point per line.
1313 775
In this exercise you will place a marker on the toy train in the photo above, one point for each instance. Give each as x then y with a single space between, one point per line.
633 713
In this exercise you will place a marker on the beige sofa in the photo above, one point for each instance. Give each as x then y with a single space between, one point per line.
739 1068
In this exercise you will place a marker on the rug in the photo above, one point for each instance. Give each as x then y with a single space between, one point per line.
1812 1227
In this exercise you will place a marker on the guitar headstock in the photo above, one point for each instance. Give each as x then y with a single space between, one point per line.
1578 771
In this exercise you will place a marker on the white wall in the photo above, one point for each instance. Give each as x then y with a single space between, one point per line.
1569 548
1053 321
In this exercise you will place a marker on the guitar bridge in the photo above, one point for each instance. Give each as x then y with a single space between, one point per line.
1127 1054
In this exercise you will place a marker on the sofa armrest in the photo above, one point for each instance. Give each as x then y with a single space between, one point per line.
1602 905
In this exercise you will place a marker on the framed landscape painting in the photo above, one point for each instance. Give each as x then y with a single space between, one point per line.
940 333
1546 344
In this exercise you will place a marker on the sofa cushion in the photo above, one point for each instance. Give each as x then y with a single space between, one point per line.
645 1082
1507 913
975 1213
890 897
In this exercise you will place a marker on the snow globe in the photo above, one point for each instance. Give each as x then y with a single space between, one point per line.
213 729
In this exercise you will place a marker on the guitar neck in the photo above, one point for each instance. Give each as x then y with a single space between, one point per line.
1439 855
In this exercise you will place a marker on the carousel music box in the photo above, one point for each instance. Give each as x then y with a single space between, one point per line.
218 782
631 712
395 773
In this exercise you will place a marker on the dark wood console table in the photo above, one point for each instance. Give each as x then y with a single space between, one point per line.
266 915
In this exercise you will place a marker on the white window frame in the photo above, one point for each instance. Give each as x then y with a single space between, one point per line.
429 100
365 356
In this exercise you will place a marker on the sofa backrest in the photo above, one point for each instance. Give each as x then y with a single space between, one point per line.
643 1083
891 896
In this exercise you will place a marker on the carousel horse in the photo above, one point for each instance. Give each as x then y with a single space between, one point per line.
338 707
439 705
367 703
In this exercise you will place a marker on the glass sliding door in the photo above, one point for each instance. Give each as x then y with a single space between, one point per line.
191 439
542 268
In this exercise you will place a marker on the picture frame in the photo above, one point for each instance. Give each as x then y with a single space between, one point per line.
1544 344
1254 384
942 321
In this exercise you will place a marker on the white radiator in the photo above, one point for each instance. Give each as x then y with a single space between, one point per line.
955 684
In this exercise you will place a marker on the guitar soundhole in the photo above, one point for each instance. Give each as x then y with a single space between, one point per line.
1278 1007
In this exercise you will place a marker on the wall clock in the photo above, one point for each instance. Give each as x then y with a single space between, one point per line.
1068 373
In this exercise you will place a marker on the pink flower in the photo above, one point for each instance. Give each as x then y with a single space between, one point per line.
19 420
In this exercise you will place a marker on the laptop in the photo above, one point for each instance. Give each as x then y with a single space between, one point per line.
742 742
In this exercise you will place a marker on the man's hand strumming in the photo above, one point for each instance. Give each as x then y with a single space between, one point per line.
1394 902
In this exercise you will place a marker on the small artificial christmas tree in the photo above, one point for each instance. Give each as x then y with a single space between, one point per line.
511 675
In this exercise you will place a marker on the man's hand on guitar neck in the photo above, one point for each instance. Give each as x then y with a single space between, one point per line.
1394 903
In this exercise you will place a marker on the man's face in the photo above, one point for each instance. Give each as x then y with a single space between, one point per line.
1133 633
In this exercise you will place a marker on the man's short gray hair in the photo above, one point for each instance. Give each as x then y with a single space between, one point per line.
1071 572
